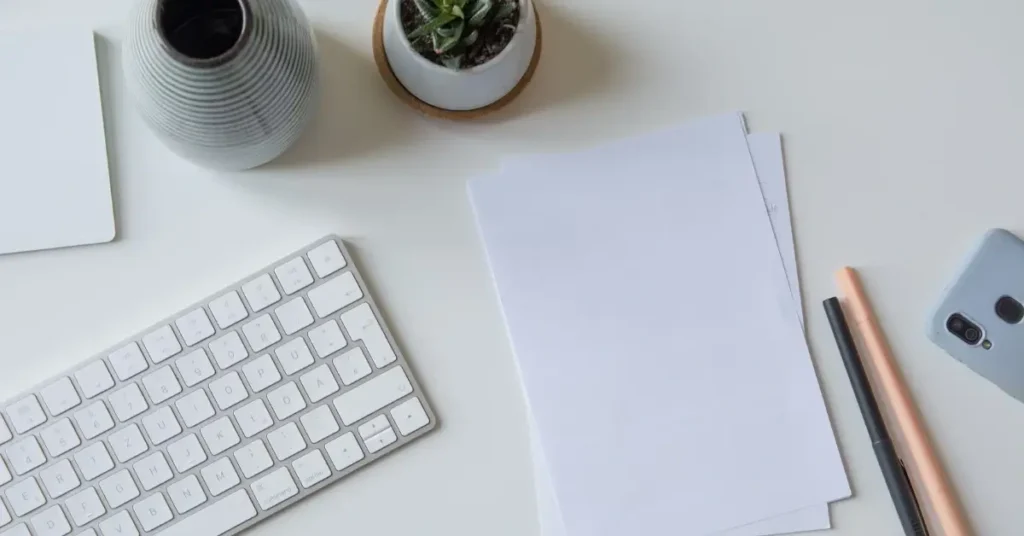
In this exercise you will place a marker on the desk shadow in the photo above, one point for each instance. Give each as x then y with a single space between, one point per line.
357 114
108 62
575 63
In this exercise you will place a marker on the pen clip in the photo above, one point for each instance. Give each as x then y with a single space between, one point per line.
920 527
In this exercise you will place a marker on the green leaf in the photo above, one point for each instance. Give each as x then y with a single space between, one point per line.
506 9
444 44
480 11
470 39
452 62
457 11
427 8
434 24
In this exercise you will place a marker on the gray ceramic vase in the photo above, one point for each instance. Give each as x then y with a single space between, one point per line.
228 84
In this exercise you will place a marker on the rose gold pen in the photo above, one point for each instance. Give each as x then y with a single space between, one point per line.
936 494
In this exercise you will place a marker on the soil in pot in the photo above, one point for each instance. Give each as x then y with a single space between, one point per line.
494 37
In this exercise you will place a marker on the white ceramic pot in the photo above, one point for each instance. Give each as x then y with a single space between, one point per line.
466 89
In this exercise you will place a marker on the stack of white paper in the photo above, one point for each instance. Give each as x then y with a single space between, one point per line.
649 297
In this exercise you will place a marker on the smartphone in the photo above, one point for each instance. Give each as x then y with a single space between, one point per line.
978 320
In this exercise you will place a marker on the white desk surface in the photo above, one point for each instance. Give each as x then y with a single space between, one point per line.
902 123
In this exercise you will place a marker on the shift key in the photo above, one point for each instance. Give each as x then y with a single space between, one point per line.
373 395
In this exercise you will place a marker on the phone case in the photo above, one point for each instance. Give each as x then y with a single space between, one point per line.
995 268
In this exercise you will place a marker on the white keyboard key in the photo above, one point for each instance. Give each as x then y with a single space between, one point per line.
161 344
93 420
335 295
194 327
253 418
327 338
274 489
128 362
294 356
187 453
326 259
5 516
5 475
294 276
127 443
25 496
319 424
85 507
319 383
5 433
311 469
60 438
120 524
362 325
220 435
220 476
59 478
26 414
381 440
119 488
152 512
261 293
372 396
152 470
161 425
93 461
374 426
194 408
128 402
194 367
228 350
161 385
25 455
18 530
60 396
409 416
216 519
228 390
344 451
261 373
94 379
293 316
286 401
253 459
228 310
261 333
352 366
286 441
51 522
186 494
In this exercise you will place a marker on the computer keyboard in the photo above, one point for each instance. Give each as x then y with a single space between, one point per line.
217 417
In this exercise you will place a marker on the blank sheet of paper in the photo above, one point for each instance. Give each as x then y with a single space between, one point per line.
54 179
766 151
656 335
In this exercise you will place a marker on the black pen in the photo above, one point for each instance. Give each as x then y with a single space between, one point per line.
900 489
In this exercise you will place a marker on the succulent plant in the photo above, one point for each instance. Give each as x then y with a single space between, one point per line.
453 26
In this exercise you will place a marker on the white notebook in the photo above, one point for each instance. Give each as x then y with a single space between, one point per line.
656 336
54 179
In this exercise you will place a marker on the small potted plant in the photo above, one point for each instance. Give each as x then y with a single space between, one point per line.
459 55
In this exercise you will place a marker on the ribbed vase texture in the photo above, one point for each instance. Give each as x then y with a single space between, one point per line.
238 110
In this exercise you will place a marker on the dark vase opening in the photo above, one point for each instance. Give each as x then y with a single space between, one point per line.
203 31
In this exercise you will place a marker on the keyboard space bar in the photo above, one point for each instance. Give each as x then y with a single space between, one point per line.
215 519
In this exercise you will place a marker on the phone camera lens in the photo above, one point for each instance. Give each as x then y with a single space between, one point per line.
964 329
1009 309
